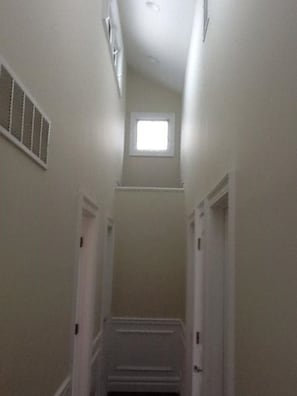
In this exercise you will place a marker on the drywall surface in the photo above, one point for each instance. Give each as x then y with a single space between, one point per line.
240 113
59 52
144 95
150 249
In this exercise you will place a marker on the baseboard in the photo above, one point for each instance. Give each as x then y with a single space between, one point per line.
96 347
146 355
96 364
65 388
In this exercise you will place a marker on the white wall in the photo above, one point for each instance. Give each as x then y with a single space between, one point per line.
59 52
240 113
149 274
144 95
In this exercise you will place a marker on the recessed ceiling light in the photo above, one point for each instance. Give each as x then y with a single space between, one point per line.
153 6
153 60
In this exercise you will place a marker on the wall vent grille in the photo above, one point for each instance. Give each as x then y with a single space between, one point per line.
21 119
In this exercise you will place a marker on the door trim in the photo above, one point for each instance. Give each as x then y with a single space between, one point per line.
88 207
193 229
224 189
224 194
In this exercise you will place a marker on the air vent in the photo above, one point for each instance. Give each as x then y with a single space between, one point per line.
21 119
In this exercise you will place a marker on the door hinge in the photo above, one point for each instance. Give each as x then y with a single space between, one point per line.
199 243
198 337
81 242
198 369
76 329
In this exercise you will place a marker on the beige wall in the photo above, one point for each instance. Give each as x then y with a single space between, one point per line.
149 276
240 113
144 95
59 52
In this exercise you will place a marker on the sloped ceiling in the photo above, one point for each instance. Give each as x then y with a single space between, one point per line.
156 43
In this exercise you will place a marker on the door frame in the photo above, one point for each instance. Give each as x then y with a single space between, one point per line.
89 208
107 259
220 286
194 231
224 190
106 312
189 304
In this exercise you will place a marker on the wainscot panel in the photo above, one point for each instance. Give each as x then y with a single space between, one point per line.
145 355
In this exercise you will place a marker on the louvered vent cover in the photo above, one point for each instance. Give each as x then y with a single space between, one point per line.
21 120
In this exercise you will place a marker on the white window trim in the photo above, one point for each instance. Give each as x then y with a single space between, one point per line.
205 18
135 117
111 21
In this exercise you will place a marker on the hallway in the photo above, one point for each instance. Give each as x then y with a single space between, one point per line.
148 202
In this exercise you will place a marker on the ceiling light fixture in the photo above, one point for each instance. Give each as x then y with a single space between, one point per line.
153 6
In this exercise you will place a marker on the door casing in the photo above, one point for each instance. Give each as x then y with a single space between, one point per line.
218 263
84 295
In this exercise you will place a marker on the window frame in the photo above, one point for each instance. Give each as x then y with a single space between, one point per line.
114 37
205 18
140 116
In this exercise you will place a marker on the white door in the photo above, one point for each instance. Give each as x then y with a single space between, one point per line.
106 303
83 328
226 306
198 278
108 271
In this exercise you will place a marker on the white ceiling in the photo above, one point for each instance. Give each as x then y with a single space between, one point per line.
163 35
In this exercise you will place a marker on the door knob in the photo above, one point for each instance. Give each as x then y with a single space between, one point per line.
198 369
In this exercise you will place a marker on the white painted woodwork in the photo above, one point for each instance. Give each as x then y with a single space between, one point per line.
198 307
219 290
85 296
146 355
195 299
96 362
108 269
64 388
210 293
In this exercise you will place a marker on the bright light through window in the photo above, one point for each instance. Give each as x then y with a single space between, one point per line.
152 135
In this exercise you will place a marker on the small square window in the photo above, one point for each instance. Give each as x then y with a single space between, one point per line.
152 134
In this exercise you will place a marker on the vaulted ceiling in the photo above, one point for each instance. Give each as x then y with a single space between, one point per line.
156 38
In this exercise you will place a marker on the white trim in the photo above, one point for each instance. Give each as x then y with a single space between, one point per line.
64 387
205 18
160 332
108 269
163 385
219 191
87 207
221 196
111 19
231 272
135 366
144 379
150 189
97 347
97 339
190 303
137 116
144 368
148 321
